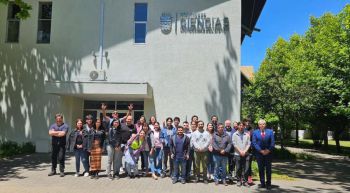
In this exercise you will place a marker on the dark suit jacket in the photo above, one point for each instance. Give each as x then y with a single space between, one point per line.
261 144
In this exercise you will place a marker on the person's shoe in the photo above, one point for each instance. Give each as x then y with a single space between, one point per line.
196 179
268 187
262 186
216 182
76 175
162 175
224 182
96 176
183 181
239 183
116 176
250 180
52 173
110 176
174 181
154 177
61 174
86 174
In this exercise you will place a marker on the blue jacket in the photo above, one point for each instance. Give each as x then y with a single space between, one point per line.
166 138
260 144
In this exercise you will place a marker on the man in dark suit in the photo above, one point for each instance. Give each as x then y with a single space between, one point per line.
264 143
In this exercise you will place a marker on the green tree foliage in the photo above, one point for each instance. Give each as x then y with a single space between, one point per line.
25 8
305 81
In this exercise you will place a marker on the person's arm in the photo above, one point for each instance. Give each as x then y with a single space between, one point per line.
215 145
255 143
229 145
188 149
172 146
152 140
234 143
104 114
272 142
248 143
194 141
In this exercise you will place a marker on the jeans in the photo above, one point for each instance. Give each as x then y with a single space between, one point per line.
155 161
114 157
201 158
166 157
231 165
179 162
242 167
264 164
190 163
211 163
60 152
144 160
83 156
220 165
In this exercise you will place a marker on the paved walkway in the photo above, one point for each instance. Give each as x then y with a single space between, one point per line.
28 174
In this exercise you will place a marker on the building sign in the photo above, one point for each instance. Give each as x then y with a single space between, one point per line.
197 23
165 23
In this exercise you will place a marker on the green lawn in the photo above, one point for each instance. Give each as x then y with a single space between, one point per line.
308 143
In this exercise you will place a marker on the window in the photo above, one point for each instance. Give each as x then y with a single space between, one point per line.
12 23
44 22
140 19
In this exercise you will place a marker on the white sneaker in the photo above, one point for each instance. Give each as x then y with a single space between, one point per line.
76 175
86 174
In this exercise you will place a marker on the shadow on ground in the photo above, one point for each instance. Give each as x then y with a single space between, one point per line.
12 168
327 171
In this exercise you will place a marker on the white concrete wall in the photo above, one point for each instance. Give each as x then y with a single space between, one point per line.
189 73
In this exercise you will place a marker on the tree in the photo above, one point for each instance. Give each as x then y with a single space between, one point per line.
305 80
24 8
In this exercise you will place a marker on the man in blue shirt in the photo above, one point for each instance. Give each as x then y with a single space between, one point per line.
179 147
58 132
264 143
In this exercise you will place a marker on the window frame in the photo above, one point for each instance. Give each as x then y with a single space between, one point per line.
140 22
43 20
8 20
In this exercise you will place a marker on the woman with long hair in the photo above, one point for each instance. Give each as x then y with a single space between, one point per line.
132 152
156 152
96 141
114 150
152 121
148 146
211 163
77 142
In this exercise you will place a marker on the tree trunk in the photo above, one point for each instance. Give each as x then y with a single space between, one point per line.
296 133
337 140
325 139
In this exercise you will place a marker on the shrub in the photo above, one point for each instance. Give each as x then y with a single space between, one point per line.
10 148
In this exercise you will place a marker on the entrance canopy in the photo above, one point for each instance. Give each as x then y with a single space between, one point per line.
99 89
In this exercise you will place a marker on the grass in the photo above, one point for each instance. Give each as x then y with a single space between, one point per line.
332 149
284 154
276 174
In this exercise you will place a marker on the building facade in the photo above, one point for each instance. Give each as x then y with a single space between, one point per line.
168 58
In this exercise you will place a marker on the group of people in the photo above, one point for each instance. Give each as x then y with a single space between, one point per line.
192 151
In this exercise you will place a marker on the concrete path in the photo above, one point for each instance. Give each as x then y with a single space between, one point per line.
28 174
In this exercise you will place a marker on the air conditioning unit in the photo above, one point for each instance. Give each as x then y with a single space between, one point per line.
99 75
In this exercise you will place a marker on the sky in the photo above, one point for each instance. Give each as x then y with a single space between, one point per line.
283 18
